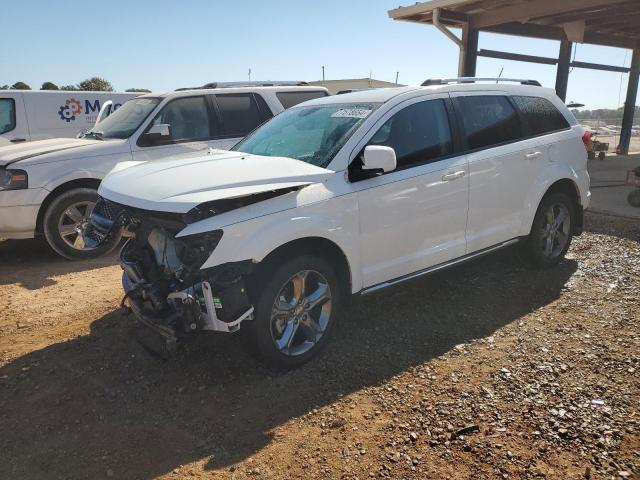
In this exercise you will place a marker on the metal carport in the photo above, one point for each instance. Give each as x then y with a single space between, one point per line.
614 23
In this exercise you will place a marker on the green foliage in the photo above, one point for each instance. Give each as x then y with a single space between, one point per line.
95 84
69 88
141 90
20 86
49 86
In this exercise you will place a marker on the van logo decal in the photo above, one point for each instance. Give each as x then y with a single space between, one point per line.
73 108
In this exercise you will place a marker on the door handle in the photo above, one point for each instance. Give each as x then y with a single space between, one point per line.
17 140
532 155
453 176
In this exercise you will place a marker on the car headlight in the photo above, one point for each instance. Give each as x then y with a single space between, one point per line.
13 179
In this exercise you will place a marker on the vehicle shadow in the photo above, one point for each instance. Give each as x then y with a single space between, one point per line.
100 403
32 264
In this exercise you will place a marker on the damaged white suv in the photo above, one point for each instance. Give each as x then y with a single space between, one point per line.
342 195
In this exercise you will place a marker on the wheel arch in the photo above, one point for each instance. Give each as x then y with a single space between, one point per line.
321 247
565 185
92 183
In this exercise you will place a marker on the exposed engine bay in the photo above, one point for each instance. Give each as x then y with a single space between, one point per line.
164 285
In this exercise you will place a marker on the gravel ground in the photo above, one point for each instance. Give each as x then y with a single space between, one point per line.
488 370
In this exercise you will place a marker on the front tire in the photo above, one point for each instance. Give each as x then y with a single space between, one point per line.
65 217
552 230
296 308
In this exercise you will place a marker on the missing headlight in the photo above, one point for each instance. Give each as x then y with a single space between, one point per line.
216 207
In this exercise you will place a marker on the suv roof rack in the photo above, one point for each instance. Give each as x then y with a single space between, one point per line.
446 81
267 83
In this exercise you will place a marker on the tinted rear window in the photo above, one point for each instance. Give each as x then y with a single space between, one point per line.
239 112
488 120
539 115
289 99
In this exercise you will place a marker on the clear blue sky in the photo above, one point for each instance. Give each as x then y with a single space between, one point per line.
162 45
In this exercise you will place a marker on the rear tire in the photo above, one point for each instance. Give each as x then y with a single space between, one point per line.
634 198
552 230
68 213
307 294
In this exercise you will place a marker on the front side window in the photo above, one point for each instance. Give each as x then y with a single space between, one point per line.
418 133
488 120
126 119
291 99
188 119
311 134
540 115
239 112
7 115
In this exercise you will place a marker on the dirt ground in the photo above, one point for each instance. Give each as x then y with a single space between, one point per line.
488 370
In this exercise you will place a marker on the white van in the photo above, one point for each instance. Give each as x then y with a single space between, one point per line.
37 115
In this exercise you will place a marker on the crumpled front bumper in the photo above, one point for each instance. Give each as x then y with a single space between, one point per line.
159 333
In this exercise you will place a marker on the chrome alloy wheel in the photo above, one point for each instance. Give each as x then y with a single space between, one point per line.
555 230
73 221
301 312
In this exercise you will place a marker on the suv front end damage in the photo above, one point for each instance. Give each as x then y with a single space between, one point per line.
164 284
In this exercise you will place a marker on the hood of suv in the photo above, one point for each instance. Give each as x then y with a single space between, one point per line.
178 184
28 150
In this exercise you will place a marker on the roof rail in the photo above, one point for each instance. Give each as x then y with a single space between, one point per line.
446 81
285 83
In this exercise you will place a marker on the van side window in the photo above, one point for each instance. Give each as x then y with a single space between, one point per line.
188 119
418 133
540 116
7 115
290 99
239 112
488 120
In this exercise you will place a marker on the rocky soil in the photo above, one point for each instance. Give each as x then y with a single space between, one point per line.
488 370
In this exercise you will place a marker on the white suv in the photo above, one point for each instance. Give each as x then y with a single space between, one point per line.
49 187
342 195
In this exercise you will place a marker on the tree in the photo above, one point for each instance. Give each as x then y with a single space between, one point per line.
141 90
20 86
95 84
4 87
70 88
49 86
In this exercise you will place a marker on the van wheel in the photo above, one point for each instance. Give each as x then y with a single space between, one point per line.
296 310
65 217
552 230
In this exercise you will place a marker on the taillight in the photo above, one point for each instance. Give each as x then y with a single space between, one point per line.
588 143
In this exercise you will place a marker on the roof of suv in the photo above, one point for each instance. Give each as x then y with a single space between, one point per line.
381 95
249 89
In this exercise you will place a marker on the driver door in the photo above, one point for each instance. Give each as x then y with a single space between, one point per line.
193 126
413 217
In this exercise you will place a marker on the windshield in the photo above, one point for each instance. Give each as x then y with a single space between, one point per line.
311 134
126 119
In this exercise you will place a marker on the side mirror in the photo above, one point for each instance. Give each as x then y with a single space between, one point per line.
156 135
161 129
379 158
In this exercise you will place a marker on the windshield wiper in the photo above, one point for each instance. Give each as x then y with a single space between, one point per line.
92 134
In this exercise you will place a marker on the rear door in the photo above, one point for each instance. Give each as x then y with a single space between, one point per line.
239 114
193 126
501 166
13 121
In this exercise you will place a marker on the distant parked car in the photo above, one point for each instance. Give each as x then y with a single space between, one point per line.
341 195
38 115
49 187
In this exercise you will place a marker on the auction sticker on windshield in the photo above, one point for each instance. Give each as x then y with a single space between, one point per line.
351 113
